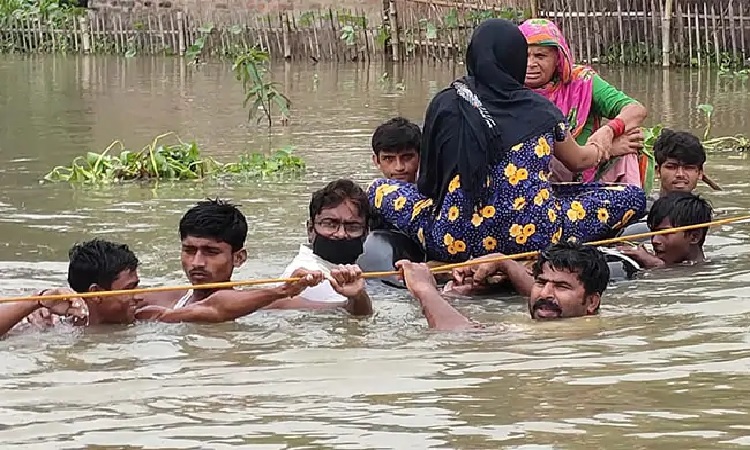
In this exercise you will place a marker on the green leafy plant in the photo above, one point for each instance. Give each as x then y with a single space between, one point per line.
650 135
383 35
283 161
173 161
725 71
508 13
32 9
350 27
738 142
708 110
430 29
450 20
387 84
349 34
251 68
195 50
49 14
346 18
306 19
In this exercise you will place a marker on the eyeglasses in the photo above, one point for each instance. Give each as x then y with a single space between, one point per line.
331 226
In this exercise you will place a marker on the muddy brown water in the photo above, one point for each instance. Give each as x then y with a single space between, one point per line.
665 365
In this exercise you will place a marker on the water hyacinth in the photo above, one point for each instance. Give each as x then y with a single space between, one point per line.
738 142
171 162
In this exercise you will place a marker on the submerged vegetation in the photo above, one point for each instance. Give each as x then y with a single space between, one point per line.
172 161
738 142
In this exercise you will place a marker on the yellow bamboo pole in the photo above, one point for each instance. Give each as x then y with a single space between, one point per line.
439 269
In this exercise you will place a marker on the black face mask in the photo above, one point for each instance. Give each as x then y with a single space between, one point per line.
338 251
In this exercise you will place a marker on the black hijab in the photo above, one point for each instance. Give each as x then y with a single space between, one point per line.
465 136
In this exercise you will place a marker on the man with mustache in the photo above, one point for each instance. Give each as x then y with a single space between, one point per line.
567 280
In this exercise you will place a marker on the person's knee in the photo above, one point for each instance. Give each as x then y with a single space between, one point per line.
638 200
374 184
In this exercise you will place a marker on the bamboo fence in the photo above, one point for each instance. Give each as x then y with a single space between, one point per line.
698 33
326 34
629 32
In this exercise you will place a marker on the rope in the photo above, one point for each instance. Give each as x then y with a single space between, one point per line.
369 275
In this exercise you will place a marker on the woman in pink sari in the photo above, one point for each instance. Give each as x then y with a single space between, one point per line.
585 99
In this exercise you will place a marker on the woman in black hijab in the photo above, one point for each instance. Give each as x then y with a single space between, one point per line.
483 178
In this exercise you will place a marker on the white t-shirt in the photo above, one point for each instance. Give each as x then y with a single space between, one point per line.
323 292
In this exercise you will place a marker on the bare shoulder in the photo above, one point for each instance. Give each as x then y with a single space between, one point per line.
163 299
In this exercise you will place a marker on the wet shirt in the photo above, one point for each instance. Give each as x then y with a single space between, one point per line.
323 292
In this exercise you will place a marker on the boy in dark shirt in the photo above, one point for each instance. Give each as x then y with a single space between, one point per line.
395 148
680 157
676 209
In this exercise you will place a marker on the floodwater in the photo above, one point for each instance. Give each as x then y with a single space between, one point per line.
664 366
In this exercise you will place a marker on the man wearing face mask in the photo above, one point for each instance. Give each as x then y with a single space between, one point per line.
336 229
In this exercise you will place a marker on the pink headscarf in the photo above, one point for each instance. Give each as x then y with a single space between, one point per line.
572 86
571 90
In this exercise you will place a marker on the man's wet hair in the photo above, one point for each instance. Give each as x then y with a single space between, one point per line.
215 219
98 262
585 261
681 209
335 193
396 135
681 146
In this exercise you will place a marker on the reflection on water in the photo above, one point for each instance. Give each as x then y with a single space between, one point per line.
665 365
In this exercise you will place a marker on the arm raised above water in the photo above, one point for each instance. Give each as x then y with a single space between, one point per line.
346 281
439 313
13 313
227 305
516 272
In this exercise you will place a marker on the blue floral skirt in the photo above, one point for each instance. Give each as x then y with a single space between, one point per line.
457 231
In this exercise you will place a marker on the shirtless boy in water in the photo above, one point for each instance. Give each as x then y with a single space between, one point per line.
213 235
102 266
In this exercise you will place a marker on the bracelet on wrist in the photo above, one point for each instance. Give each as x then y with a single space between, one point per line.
617 126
